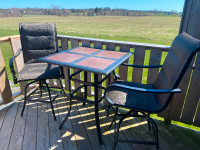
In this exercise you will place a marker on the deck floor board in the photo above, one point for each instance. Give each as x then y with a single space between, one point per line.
36 129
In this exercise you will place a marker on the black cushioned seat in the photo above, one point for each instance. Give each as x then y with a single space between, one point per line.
38 71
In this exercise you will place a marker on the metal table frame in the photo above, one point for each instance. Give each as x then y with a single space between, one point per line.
85 83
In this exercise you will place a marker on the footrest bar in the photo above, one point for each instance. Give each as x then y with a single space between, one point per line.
137 142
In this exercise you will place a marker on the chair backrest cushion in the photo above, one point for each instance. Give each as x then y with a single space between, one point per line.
176 63
37 40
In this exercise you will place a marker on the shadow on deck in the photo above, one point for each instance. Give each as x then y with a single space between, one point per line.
38 130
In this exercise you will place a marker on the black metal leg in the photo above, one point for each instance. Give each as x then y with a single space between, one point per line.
40 87
25 97
85 88
70 101
97 109
117 130
155 130
109 79
51 102
149 125
114 118
68 113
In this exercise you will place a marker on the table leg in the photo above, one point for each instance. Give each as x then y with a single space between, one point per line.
96 108
85 88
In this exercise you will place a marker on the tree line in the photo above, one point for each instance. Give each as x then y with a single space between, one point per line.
18 12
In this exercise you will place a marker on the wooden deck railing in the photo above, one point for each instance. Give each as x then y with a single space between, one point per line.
6 93
143 53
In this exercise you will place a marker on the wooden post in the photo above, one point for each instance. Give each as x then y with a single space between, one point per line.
75 43
5 89
184 107
64 45
139 55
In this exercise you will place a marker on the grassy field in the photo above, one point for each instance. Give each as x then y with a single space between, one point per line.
148 29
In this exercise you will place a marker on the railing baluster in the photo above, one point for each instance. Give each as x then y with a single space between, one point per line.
89 74
75 43
110 46
155 58
123 70
139 55
64 45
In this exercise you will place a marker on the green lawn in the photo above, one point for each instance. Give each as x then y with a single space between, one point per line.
148 29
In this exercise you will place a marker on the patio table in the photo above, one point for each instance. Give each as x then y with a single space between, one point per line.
97 61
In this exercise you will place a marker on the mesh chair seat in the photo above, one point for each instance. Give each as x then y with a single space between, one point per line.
132 99
38 71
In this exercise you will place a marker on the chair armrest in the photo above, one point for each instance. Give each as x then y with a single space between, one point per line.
142 66
144 90
11 65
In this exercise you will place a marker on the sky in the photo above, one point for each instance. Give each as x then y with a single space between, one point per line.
165 5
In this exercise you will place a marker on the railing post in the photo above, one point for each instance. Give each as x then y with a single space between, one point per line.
5 89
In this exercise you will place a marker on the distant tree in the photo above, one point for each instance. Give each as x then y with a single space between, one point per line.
58 11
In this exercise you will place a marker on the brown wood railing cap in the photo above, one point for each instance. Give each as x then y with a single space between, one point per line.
116 42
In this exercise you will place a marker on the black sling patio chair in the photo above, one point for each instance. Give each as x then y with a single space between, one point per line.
37 40
144 99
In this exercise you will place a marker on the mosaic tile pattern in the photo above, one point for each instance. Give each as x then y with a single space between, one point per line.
84 50
97 63
111 54
88 59
65 57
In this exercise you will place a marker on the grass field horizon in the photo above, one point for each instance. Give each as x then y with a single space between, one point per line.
145 29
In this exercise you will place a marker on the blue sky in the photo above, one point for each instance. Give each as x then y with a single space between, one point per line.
166 5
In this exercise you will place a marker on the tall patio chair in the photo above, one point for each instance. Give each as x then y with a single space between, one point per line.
145 99
37 40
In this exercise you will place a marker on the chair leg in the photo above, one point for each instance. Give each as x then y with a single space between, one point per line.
117 130
70 107
114 118
51 102
25 97
40 87
149 125
155 130
85 88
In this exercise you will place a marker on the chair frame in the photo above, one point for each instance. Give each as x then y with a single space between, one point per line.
135 112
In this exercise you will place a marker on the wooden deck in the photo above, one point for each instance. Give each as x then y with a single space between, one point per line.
37 130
